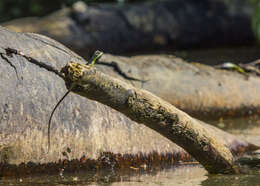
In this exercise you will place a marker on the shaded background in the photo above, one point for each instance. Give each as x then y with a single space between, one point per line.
12 9
241 52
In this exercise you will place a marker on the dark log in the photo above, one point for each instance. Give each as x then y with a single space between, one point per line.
146 26
144 107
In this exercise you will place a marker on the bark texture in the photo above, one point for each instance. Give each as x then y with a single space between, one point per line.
145 26
143 107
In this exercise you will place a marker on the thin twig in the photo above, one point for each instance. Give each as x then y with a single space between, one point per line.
49 123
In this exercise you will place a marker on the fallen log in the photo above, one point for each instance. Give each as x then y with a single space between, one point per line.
145 26
200 90
143 107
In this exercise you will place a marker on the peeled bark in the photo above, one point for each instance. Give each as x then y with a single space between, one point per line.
144 107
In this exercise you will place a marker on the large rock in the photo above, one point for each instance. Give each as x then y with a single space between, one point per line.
29 91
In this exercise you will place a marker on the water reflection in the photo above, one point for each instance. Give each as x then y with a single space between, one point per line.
238 124
247 128
185 175
253 178
189 175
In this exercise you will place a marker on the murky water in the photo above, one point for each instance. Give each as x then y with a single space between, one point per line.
176 176
187 175
247 128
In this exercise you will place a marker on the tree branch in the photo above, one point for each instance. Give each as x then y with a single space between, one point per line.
144 107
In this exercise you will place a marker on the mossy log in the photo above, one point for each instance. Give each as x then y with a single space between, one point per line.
139 27
144 107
